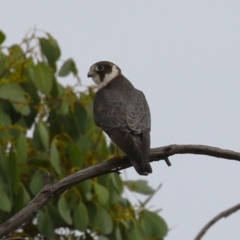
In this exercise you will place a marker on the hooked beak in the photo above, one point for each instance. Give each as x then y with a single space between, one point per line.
91 74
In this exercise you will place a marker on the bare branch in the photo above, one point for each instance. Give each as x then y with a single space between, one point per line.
223 214
166 151
50 191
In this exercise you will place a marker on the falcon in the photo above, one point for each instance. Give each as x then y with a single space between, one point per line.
123 113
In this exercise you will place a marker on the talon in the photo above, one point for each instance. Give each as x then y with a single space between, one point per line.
116 154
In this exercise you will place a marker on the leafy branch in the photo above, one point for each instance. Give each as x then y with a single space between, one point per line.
50 191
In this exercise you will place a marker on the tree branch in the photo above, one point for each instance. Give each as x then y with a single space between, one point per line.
166 151
50 191
223 214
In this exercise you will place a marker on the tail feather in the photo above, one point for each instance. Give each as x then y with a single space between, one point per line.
140 170
135 146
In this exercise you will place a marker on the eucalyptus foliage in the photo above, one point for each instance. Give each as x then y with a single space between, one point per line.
45 126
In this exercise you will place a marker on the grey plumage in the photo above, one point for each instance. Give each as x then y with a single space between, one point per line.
123 113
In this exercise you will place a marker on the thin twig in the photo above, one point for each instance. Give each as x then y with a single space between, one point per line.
223 214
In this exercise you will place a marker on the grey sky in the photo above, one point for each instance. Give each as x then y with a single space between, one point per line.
185 57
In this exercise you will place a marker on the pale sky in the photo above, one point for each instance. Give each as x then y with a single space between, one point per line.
185 57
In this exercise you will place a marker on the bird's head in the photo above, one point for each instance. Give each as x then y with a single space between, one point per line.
103 72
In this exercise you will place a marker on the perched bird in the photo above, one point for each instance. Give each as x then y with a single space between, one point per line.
123 113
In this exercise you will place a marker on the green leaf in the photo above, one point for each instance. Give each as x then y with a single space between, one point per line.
68 67
114 196
56 126
16 55
75 155
2 37
64 210
37 161
73 200
108 182
64 107
125 202
34 98
105 180
88 196
41 136
42 76
45 225
86 185
50 49
102 194
140 186
55 215
36 183
118 234
14 171
16 95
80 217
57 89
77 120
5 121
26 197
135 232
103 238
4 162
85 188
55 158
22 148
154 225
5 203
88 141
20 199
44 135
94 216
117 182
3 63
106 224
81 115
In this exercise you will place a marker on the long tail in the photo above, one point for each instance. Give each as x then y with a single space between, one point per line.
140 170
135 146
143 141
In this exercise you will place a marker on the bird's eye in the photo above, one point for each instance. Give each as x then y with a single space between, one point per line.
99 67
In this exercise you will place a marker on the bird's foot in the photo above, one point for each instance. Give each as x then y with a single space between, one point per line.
116 155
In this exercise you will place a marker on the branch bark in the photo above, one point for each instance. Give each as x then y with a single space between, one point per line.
223 214
50 191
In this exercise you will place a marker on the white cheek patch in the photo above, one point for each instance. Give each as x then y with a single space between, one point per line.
108 77
96 79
